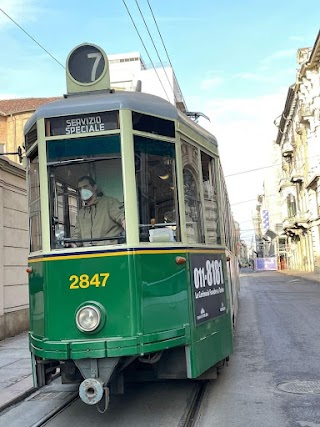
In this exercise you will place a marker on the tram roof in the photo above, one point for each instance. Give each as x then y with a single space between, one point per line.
105 101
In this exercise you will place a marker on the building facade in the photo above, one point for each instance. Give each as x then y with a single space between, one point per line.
129 72
298 178
14 300
14 313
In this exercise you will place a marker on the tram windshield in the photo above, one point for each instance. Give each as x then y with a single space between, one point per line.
155 167
86 192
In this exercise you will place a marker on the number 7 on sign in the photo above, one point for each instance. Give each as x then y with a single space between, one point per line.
97 57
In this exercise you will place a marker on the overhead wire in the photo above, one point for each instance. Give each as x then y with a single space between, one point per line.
145 48
268 167
252 200
32 38
265 167
252 170
163 44
155 48
161 38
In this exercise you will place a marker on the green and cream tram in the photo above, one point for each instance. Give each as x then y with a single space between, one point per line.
157 300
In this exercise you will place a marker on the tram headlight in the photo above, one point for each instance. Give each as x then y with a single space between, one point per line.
88 318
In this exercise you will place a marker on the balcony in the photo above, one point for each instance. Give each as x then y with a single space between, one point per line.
302 219
285 183
299 222
288 223
297 179
305 112
287 150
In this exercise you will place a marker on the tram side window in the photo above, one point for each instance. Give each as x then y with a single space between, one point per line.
209 180
151 124
228 224
193 206
34 204
155 167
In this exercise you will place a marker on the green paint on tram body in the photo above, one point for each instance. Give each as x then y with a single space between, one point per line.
147 304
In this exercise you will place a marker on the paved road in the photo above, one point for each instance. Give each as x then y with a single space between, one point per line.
273 379
277 348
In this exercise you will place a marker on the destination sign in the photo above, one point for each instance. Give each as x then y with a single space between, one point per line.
87 123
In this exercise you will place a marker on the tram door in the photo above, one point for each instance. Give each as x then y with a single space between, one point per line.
164 294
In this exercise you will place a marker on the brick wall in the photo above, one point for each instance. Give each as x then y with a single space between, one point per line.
14 132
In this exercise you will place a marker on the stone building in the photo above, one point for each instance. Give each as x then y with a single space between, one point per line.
14 302
298 139
14 113
14 315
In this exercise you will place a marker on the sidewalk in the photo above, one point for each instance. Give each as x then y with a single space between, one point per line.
307 275
15 369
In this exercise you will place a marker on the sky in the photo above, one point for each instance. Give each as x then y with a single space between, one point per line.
234 61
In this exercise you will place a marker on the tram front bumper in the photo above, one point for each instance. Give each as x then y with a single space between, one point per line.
109 347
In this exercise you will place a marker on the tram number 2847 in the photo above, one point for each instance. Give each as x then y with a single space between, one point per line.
211 274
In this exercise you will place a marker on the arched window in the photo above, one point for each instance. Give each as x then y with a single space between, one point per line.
193 206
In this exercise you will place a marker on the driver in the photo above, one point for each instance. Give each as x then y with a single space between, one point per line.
100 216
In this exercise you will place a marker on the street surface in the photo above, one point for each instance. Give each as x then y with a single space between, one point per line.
277 347
273 377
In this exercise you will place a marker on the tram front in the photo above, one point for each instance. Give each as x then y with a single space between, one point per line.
97 302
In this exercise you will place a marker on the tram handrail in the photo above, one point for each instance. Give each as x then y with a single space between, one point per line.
159 224
94 239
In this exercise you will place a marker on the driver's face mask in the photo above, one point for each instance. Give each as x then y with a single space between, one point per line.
85 194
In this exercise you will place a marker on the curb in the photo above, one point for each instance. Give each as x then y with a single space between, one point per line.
302 276
18 399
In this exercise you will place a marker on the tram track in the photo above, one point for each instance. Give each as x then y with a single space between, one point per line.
184 415
174 403
189 417
55 412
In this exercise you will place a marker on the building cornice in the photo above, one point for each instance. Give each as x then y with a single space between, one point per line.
287 112
314 59
8 166
313 181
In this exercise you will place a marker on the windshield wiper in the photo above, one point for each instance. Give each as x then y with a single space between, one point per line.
65 162
85 160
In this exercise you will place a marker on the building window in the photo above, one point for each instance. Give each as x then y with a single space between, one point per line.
291 206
